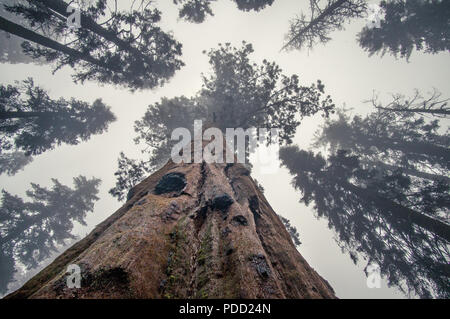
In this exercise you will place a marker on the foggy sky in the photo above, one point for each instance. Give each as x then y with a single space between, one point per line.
349 74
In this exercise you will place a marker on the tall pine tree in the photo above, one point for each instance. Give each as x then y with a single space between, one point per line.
32 122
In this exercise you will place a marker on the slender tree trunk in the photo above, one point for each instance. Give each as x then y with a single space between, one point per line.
29 35
407 147
387 207
187 231
409 171
394 211
86 22
22 115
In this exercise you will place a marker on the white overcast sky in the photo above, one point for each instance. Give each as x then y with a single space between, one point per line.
349 74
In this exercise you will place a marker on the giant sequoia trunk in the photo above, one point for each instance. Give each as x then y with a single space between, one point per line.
187 231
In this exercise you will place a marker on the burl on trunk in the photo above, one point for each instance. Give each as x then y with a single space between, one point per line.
187 231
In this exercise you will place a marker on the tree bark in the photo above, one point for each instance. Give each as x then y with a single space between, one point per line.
217 237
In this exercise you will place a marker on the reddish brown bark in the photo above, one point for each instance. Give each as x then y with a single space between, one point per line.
216 238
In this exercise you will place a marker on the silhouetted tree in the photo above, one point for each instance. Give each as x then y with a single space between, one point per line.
11 163
244 94
32 230
34 123
127 49
196 11
409 24
256 5
325 17
388 218
237 94
385 190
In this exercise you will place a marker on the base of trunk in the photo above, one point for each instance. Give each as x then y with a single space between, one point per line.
187 231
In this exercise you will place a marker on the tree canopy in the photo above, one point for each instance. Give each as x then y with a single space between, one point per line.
244 94
408 25
127 48
196 11
32 122
32 230
12 162
236 93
